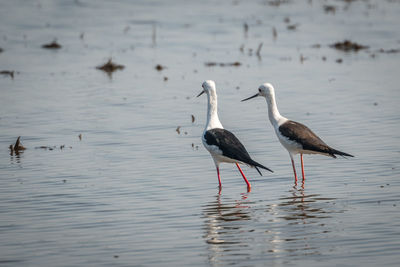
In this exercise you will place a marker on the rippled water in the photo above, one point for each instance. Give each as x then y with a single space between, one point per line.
135 192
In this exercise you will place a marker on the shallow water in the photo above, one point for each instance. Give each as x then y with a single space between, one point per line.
134 192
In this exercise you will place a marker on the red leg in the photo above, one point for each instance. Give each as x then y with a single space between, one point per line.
244 177
294 170
219 179
302 167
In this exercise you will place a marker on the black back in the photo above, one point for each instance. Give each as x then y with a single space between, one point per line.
300 133
303 135
227 142
230 146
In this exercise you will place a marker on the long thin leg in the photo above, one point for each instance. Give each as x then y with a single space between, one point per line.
294 169
302 167
219 178
244 177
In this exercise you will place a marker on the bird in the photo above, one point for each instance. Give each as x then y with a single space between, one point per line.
294 136
223 145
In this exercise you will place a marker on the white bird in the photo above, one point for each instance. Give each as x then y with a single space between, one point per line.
294 136
222 144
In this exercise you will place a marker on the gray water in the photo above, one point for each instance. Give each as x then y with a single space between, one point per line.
135 192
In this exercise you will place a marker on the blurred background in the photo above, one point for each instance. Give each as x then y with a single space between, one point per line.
102 94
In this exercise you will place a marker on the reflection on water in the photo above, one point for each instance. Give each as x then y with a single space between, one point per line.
222 224
298 206
299 223
296 225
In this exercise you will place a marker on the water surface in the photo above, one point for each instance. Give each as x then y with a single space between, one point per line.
134 192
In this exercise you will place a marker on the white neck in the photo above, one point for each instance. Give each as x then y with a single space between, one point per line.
275 117
212 112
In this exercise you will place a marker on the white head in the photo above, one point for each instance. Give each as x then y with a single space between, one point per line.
266 90
208 86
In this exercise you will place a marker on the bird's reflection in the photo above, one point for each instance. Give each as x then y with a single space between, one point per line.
223 223
299 223
276 229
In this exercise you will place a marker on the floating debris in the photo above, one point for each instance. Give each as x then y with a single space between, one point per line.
110 67
274 33
52 147
245 29
329 9
323 58
292 27
165 78
52 45
193 118
178 129
375 103
277 2
286 20
154 35
389 51
1 50
126 29
347 46
302 58
17 147
316 46
212 64
339 60
82 36
80 137
195 147
159 67
241 48
8 72
259 50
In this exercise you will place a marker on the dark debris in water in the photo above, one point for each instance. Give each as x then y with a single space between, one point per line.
159 67
110 67
1 50
230 64
389 51
52 45
52 147
329 9
178 129
347 46
17 147
292 27
339 60
274 33
193 118
8 73
277 2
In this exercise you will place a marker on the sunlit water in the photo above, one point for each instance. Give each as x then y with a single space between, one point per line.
134 192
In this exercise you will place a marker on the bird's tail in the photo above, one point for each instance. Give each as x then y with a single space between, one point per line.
334 152
258 165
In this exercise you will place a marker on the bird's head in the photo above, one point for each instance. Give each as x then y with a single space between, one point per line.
266 90
208 86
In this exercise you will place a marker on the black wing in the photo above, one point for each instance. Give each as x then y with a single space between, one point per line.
303 135
230 146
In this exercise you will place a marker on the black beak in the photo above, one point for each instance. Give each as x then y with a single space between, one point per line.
202 92
251 97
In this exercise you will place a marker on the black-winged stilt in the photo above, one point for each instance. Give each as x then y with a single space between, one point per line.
295 137
222 144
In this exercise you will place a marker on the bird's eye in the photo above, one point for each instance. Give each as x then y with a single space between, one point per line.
259 90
